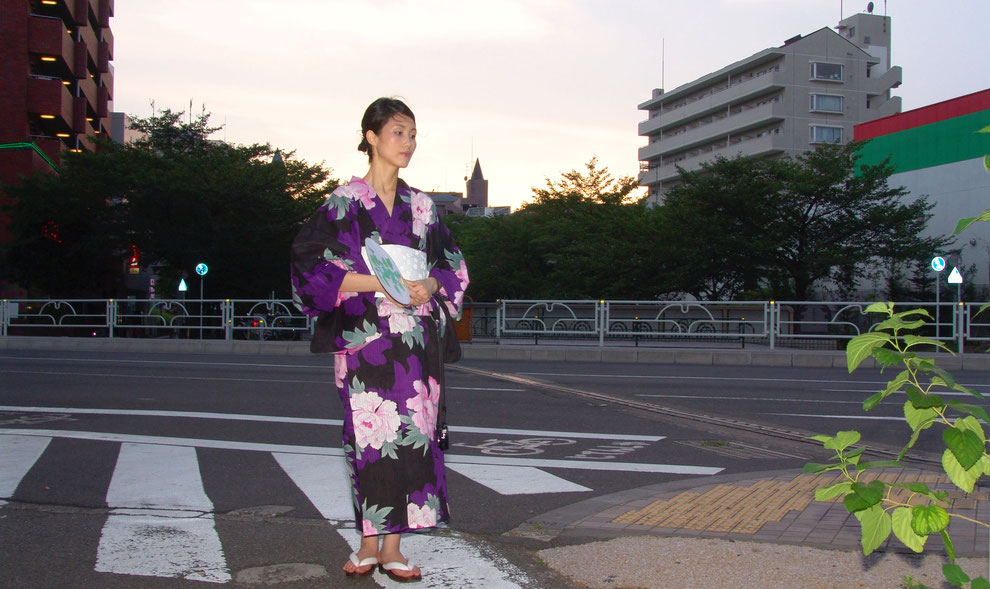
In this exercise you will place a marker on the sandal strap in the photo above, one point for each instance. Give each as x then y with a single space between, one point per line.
398 566
371 560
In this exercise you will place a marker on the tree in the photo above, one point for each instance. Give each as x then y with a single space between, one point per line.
793 224
178 196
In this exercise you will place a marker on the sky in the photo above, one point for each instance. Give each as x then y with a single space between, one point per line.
531 88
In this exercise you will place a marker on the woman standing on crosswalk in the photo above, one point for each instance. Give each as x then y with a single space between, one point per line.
387 365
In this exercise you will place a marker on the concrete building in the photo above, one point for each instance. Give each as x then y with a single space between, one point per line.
943 151
57 80
477 188
447 203
779 102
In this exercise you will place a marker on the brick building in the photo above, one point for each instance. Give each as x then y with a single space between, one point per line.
57 85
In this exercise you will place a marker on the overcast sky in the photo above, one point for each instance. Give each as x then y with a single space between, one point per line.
530 87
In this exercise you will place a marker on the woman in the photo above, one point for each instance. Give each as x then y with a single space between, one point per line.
387 364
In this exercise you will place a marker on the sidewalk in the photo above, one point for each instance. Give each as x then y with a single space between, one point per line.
747 530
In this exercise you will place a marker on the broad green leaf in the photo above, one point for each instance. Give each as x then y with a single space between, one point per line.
954 574
961 477
913 312
920 488
843 440
928 519
966 446
861 347
910 443
979 412
832 491
984 216
916 340
854 456
971 424
901 525
919 419
985 306
873 400
863 496
879 464
887 357
880 308
822 438
876 527
980 583
945 375
897 322
950 549
815 468
920 399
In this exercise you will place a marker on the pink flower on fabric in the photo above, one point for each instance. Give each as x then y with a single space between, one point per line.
339 369
376 421
420 517
462 275
342 295
422 209
368 528
362 191
401 323
424 405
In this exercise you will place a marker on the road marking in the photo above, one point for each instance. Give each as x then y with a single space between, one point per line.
62 360
725 378
450 561
316 421
485 389
162 522
704 397
162 377
516 480
820 416
18 456
324 480
324 451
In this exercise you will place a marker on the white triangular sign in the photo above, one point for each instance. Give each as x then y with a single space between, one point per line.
955 277
182 285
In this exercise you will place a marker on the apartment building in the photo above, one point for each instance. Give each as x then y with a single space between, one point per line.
779 102
57 81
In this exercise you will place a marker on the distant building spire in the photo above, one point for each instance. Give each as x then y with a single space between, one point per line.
476 174
476 193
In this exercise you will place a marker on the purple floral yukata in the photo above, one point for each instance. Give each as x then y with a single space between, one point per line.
386 362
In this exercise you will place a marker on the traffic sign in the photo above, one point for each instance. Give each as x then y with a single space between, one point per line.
938 263
202 269
955 277
182 285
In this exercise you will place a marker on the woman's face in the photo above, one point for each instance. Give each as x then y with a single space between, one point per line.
396 142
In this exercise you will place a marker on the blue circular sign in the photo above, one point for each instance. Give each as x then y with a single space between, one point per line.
938 263
202 269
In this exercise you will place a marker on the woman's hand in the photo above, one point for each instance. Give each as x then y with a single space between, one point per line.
420 291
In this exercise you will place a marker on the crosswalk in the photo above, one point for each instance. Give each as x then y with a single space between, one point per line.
161 518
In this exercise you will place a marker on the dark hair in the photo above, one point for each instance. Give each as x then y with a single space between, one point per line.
377 115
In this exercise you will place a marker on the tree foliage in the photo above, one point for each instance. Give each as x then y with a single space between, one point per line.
178 196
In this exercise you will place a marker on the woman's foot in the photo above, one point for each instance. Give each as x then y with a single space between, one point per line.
360 564
398 568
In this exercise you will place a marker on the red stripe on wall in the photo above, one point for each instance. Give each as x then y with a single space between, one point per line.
933 113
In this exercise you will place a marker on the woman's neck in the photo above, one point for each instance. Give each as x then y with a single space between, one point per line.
384 181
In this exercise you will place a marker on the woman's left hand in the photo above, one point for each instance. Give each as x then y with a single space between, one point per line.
420 291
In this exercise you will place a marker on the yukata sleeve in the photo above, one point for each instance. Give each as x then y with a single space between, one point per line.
447 265
326 248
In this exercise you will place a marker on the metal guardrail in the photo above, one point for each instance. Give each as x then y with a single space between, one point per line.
772 323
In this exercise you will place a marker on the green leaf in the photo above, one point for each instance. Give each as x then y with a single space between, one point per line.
917 340
922 400
920 488
984 216
954 574
816 468
832 491
980 583
861 347
961 477
971 424
950 549
887 357
873 400
843 440
965 444
928 519
897 322
822 438
863 496
880 464
887 308
979 412
901 525
919 419
876 527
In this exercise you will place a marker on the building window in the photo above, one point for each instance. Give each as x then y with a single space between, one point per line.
852 32
826 71
823 134
827 103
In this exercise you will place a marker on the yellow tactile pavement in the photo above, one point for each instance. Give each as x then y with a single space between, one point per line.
745 507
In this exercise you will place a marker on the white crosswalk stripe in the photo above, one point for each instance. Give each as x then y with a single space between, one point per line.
161 522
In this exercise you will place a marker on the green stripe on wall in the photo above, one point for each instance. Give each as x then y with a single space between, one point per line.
944 142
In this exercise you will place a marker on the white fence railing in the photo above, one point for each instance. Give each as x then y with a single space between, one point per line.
770 323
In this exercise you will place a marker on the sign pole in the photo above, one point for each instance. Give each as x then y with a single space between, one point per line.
201 269
938 264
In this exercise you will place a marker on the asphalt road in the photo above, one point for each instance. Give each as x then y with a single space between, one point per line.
528 437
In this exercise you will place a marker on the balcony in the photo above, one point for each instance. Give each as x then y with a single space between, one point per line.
758 146
103 12
890 79
750 118
47 36
717 99
48 96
